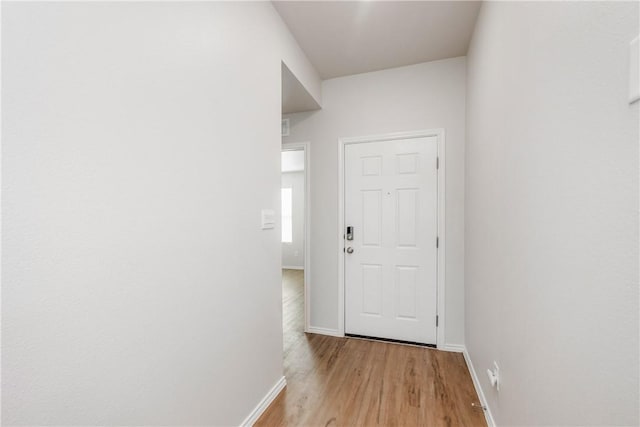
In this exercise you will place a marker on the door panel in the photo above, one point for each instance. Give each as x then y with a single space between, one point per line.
372 289
391 196
371 217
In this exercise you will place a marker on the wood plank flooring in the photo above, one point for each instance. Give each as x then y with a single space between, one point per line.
351 382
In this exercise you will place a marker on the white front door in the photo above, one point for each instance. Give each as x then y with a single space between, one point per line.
391 203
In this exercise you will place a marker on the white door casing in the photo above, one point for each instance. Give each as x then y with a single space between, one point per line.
391 198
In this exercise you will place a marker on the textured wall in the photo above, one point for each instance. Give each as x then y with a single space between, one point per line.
552 212
137 282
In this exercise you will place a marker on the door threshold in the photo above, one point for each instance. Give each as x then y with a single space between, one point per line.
389 340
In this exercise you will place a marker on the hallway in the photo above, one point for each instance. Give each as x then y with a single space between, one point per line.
347 382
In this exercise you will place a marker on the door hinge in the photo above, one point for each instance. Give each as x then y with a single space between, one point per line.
436 320
437 242
437 162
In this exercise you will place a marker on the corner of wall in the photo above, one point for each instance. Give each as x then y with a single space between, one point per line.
476 384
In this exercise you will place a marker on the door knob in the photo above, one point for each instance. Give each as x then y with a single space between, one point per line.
349 250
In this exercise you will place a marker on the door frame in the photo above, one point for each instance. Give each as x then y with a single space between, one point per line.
440 266
306 147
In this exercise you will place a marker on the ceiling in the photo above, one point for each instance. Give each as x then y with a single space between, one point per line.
295 98
351 37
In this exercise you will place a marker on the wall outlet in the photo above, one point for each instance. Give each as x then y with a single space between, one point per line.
494 376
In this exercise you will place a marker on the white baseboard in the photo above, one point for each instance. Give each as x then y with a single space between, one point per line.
264 403
478 387
324 331
292 267
456 348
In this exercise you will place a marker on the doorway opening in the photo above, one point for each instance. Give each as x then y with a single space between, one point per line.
295 220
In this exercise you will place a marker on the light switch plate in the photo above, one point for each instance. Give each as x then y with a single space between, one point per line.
634 70
268 219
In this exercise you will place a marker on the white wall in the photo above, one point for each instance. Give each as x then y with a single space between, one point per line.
292 161
551 212
293 253
137 283
423 96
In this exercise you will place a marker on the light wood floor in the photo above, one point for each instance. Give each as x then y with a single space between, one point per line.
351 382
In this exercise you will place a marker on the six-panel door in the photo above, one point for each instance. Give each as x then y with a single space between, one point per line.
391 196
